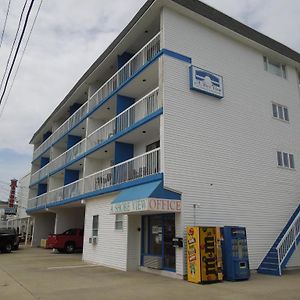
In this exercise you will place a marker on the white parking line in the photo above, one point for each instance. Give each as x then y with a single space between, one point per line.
71 267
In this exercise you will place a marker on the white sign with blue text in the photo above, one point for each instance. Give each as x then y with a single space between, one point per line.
206 82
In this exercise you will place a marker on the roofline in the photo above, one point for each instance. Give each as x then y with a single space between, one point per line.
238 27
99 60
201 9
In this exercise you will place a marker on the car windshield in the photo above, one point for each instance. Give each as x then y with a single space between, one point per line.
70 232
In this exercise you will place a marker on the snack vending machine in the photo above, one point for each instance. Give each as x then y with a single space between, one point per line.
235 253
204 254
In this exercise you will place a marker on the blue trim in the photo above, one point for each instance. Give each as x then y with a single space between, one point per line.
104 143
160 53
148 190
177 55
117 187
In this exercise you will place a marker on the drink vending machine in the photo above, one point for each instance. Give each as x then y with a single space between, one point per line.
204 254
235 253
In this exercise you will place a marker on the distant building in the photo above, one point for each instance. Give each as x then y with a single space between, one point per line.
3 205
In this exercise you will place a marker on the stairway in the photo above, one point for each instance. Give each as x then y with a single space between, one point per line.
283 248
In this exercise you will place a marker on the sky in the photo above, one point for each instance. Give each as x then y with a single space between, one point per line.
68 37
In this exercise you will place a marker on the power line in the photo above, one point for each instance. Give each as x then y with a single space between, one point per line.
5 21
11 86
13 44
17 50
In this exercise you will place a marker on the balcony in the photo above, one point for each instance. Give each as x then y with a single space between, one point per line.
135 113
138 167
138 111
144 55
59 161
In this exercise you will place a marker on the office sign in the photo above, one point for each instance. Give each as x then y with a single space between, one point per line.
206 82
146 205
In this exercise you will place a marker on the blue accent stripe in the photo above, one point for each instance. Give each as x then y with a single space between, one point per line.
160 53
104 143
177 55
148 190
115 188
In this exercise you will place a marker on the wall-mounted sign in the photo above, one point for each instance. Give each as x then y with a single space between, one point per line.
10 210
206 82
146 205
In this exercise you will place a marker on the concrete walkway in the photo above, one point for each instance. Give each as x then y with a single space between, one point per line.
40 274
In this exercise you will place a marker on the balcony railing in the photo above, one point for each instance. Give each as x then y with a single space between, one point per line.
130 68
139 110
144 55
135 168
59 161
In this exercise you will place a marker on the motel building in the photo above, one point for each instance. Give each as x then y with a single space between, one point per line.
188 118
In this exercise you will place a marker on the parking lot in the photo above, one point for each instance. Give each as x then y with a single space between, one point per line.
33 273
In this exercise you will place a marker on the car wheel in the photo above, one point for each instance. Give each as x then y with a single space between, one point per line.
8 248
61 250
70 248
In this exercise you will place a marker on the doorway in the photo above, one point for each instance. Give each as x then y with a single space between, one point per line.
157 234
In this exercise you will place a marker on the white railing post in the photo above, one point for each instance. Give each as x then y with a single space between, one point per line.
287 241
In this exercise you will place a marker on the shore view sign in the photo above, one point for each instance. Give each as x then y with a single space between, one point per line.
206 82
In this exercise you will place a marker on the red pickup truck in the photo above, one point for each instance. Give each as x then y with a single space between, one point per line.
68 241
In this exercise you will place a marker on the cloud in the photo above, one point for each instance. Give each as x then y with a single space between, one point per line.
70 35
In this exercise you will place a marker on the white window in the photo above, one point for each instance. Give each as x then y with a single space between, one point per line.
95 225
274 67
280 112
119 222
285 160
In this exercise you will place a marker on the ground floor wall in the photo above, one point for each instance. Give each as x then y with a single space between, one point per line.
111 246
43 225
67 218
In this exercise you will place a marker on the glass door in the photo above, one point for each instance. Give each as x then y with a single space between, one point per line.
157 234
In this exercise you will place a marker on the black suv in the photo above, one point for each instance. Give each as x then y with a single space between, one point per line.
9 239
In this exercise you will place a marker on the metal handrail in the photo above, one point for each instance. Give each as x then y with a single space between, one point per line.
146 164
287 241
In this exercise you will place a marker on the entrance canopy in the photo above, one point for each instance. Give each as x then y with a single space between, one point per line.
146 198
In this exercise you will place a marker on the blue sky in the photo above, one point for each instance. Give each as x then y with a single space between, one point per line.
65 42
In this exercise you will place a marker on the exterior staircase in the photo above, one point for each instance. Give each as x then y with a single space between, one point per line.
283 248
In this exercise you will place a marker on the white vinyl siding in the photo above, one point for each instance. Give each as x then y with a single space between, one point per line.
111 247
219 153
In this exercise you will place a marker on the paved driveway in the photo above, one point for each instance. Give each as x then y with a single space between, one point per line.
40 274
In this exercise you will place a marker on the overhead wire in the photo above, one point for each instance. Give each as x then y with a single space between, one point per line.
17 50
20 61
13 44
5 21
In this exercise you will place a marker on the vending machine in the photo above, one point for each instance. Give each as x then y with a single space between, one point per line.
204 254
235 253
